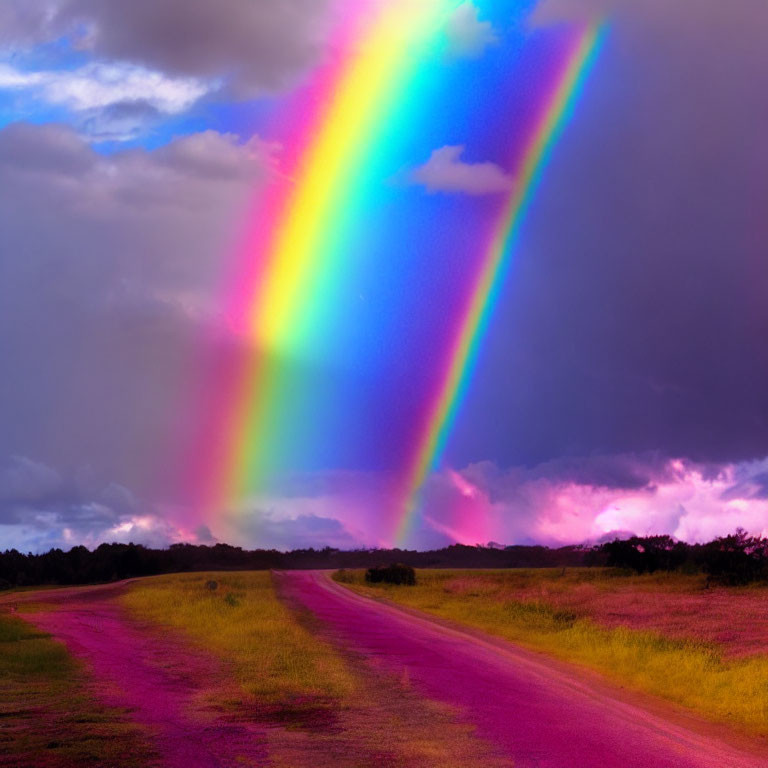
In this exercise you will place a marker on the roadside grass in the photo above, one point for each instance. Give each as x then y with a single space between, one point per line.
272 656
48 717
691 673
324 708
34 588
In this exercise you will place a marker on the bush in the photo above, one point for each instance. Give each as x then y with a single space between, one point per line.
397 573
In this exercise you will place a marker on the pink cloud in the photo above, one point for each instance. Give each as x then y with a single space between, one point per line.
683 499
561 502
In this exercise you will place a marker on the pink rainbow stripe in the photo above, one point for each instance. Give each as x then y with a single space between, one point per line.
232 390
278 282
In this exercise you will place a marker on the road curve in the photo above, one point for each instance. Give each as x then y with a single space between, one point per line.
540 713
157 678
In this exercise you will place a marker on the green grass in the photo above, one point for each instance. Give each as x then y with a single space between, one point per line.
692 674
48 718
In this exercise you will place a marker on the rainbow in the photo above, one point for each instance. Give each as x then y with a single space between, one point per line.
473 320
280 283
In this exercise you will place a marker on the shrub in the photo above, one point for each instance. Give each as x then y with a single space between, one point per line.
397 573
212 585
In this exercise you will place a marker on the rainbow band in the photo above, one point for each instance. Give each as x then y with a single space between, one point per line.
463 352
295 251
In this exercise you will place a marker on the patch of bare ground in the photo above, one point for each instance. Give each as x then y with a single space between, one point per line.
50 712
192 712
156 678
541 711
383 723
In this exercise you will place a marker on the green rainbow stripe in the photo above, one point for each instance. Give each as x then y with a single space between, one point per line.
463 354
284 299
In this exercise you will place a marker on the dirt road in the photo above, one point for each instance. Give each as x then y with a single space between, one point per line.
541 713
160 680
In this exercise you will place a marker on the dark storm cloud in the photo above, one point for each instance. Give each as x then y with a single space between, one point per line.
252 45
109 269
23 481
634 317
268 530
619 471
40 506
21 23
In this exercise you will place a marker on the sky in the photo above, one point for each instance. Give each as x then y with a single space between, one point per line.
171 372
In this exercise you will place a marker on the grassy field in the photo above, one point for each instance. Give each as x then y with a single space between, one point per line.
561 613
48 717
327 706
274 658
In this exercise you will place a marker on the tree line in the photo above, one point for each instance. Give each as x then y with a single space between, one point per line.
112 562
731 560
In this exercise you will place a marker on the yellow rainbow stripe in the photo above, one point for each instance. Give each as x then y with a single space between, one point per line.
385 44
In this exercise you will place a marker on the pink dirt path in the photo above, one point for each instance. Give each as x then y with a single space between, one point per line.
541 713
156 677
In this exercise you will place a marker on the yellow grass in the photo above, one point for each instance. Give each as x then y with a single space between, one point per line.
690 673
243 622
338 709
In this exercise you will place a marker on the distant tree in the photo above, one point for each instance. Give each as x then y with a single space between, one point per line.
736 559
646 554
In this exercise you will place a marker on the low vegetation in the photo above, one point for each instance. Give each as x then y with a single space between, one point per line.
239 617
561 612
318 702
48 717
397 573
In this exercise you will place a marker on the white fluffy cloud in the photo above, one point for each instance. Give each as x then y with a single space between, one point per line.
100 85
111 101
445 171
256 45
467 35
